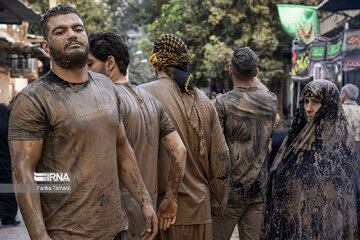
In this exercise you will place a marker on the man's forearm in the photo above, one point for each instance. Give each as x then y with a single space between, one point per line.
29 204
25 155
177 150
130 175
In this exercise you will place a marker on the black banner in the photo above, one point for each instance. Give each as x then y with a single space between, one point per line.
351 50
300 63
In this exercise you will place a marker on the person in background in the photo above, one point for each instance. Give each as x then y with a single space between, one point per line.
247 115
147 126
349 94
8 204
314 177
204 190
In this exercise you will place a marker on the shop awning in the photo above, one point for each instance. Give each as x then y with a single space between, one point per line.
14 12
339 5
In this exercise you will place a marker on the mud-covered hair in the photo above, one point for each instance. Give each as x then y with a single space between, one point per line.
244 63
105 44
52 12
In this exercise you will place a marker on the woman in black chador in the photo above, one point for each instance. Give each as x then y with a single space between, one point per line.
313 177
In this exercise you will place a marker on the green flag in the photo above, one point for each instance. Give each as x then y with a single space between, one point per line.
299 21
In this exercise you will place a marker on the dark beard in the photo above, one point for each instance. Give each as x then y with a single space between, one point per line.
73 60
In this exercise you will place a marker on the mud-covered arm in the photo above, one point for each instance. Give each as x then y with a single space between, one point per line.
130 175
174 145
219 168
25 155
27 129
177 151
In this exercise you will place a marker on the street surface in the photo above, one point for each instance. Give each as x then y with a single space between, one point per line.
19 232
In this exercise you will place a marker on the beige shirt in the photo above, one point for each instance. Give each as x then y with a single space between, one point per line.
247 117
145 122
352 113
204 188
78 124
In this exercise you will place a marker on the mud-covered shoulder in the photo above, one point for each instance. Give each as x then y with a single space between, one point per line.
101 78
36 87
272 96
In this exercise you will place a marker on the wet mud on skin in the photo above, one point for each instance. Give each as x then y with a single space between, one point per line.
247 116
314 178
145 123
196 122
78 124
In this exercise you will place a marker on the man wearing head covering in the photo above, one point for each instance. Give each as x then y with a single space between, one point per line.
203 192
247 115
146 124
349 94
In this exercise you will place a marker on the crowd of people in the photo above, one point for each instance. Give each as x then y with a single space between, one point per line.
162 160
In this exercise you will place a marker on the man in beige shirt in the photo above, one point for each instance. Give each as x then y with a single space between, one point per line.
349 94
203 192
147 127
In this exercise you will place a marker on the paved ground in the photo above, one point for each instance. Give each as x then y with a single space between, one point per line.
19 232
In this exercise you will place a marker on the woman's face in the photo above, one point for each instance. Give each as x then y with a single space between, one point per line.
311 105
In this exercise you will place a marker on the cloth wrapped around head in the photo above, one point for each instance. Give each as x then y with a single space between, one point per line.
171 55
313 191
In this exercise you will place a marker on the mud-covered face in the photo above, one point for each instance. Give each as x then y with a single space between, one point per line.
67 41
311 106
95 64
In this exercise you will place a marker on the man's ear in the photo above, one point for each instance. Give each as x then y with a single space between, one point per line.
45 46
230 71
343 95
110 63
256 72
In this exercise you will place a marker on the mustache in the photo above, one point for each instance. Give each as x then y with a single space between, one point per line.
71 42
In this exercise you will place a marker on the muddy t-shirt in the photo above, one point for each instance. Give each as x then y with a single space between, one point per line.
145 122
203 190
78 125
352 113
247 117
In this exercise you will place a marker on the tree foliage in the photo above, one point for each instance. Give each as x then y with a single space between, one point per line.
95 15
213 29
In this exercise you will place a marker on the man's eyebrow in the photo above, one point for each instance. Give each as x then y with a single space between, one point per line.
63 27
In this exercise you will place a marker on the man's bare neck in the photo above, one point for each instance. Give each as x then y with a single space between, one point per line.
78 75
161 74
116 76
119 78
248 83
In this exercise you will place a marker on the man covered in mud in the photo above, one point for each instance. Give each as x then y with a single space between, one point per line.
247 115
349 94
203 192
68 121
146 124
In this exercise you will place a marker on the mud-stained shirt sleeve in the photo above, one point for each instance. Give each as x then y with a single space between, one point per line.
220 109
166 125
27 119
219 167
122 106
